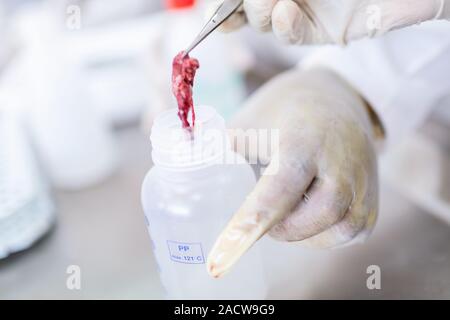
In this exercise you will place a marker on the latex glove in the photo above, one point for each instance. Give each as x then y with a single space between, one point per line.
326 150
334 21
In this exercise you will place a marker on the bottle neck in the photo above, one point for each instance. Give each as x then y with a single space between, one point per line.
187 175
177 151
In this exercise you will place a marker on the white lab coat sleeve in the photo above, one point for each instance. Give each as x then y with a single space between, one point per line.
402 75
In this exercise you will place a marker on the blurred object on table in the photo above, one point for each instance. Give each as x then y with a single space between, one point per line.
74 143
100 12
112 54
26 210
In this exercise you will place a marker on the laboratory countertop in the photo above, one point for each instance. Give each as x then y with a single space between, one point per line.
102 230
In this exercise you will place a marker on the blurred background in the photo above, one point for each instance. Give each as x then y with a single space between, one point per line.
81 82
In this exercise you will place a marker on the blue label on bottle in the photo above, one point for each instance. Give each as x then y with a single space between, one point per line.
182 252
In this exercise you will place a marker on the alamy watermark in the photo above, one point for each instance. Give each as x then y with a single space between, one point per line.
373 282
205 145
373 22
73 17
73 281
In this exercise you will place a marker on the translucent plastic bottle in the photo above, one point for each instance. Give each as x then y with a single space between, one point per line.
196 185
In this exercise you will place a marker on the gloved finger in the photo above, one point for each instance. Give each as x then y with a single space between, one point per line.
259 13
276 194
364 234
345 231
235 21
290 24
325 205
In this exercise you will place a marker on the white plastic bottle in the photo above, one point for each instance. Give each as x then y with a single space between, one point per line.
196 185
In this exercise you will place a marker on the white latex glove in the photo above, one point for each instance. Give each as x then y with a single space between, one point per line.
334 21
326 151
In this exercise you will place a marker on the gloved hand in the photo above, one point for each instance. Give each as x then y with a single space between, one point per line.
322 186
334 21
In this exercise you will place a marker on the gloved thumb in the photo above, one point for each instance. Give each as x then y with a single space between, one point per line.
275 195
292 25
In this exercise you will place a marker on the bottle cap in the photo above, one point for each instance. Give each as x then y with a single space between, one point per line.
179 4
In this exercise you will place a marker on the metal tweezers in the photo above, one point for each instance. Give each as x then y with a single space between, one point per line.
225 10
